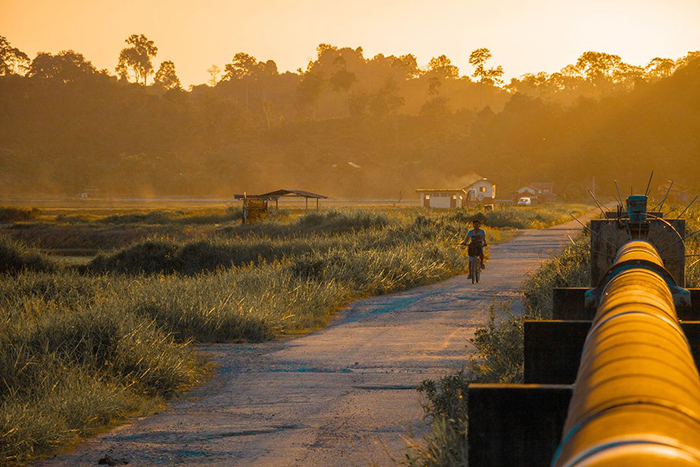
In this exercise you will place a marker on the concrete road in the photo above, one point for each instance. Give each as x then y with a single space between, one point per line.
341 396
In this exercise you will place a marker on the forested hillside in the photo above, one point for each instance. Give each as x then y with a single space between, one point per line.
347 125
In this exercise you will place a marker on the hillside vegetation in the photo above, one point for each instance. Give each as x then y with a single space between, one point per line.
346 125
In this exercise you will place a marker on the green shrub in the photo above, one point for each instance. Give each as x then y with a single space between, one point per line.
445 406
13 214
498 356
150 256
311 224
159 217
572 268
692 248
16 257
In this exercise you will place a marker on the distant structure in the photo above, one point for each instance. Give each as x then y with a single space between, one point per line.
89 192
538 192
478 191
678 193
255 206
482 191
276 195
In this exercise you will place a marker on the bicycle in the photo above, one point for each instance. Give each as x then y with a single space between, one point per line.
474 265
474 252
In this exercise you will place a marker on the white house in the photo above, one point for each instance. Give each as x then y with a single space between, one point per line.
442 198
541 191
480 190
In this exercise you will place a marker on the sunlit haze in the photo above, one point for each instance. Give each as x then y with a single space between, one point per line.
524 36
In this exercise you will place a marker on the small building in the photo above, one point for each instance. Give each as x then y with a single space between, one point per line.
538 192
480 190
259 203
442 198
89 192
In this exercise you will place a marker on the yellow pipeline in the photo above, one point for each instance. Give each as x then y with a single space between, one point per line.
636 400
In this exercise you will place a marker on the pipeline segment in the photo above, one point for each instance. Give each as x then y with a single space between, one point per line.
636 401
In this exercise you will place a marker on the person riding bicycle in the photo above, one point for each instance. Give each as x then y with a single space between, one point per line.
476 241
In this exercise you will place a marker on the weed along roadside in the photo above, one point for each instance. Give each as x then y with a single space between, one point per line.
85 347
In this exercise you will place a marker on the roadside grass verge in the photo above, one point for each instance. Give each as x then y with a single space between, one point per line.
71 365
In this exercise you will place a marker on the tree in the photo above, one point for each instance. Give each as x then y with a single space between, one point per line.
598 67
166 76
310 89
407 66
12 60
137 57
689 57
269 68
326 54
342 80
628 75
67 66
387 101
435 107
491 76
660 68
434 85
247 69
242 66
213 71
443 67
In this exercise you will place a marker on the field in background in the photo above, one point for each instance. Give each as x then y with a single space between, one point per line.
84 344
498 347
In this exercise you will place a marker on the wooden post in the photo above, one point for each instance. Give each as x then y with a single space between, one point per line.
317 204
245 207
307 202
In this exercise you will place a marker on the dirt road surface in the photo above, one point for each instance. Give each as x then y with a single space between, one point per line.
338 397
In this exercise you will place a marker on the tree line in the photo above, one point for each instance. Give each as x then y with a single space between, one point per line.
346 125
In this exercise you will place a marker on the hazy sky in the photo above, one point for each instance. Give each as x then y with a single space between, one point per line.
524 36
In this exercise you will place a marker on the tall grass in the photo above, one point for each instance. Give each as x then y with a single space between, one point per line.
265 242
14 214
70 364
175 217
533 217
692 245
81 349
16 258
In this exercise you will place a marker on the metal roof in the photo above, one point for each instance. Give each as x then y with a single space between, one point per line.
280 193
303 194
437 190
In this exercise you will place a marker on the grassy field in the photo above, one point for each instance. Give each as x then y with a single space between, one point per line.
498 348
83 346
